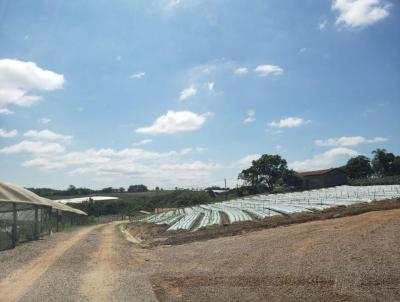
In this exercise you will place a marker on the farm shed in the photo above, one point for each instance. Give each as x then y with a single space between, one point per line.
25 216
323 178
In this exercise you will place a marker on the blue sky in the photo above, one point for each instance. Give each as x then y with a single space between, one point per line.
187 93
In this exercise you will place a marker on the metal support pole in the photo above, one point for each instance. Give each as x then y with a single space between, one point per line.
36 226
14 231
58 220
49 220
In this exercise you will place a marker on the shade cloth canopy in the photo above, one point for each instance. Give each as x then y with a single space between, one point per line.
17 194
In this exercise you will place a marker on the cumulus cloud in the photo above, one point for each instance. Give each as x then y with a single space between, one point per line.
138 75
360 13
33 147
210 86
250 116
47 135
5 133
264 70
289 122
143 142
241 70
175 121
248 159
188 92
18 78
166 168
331 158
345 141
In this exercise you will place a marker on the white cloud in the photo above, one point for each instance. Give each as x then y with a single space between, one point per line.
138 75
332 158
5 111
248 159
165 168
186 151
345 141
210 86
250 116
200 150
5 133
241 70
192 166
17 78
359 13
170 4
143 142
37 147
47 135
175 121
289 122
188 92
264 70
44 120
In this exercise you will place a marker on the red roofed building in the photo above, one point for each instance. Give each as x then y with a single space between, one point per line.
323 178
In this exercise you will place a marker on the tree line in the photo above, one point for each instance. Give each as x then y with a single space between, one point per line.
79 191
382 164
271 171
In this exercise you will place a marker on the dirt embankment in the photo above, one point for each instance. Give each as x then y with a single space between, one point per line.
154 235
353 258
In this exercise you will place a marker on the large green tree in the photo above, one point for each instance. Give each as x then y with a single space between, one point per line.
382 162
396 165
265 171
358 167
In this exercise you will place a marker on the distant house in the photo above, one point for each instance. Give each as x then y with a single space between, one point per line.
323 178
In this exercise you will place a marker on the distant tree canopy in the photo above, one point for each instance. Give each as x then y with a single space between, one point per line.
269 170
383 164
137 188
358 167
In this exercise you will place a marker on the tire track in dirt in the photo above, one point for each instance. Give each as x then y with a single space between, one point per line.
99 281
20 281
61 282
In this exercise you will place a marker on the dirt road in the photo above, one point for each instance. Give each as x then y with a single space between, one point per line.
346 259
85 265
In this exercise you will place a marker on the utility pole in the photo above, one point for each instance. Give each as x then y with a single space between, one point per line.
225 183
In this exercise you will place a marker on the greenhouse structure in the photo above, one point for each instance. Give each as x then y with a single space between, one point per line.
25 216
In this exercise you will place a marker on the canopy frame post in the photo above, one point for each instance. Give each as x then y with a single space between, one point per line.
36 226
14 231
58 220
50 226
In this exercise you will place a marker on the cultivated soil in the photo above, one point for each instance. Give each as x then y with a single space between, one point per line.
151 235
354 258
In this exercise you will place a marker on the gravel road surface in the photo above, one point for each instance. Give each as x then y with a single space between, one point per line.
346 259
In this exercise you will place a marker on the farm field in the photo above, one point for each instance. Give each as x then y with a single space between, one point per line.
264 206
295 263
